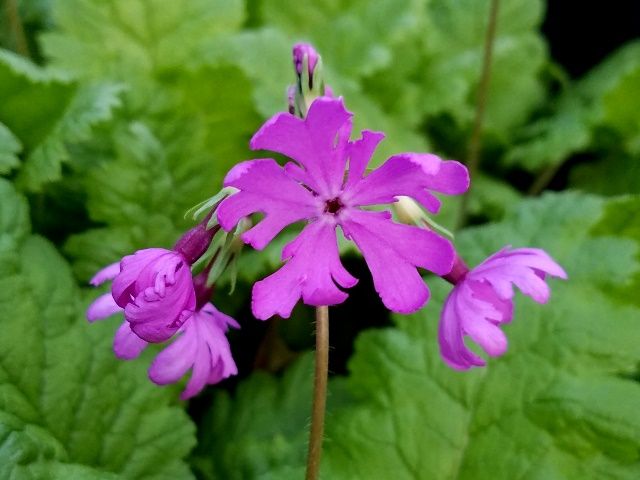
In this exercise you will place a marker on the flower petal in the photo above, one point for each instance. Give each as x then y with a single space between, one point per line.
200 371
157 312
173 362
264 187
221 320
107 273
102 307
130 268
359 154
393 251
413 175
312 271
126 344
451 337
317 143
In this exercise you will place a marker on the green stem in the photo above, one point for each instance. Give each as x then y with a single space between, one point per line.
319 393
473 154
15 23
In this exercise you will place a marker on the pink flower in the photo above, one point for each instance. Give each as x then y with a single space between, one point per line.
315 189
201 346
155 289
482 299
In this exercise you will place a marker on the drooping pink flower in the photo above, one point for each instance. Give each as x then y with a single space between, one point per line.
315 189
201 345
482 300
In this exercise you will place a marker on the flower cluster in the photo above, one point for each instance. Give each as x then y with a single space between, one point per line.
160 299
327 185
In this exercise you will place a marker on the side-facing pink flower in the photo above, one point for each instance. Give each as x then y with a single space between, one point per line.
327 187
155 289
201 346
482 299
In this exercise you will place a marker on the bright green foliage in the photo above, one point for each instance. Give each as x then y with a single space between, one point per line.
156 170
556 406
124 38
263 427
439 66
48 112
9 148
599 106
68 407
622 219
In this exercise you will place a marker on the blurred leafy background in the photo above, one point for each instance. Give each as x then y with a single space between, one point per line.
116 116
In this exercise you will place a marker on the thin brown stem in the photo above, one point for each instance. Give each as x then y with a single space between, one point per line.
15 23
473 153
543 180
319 393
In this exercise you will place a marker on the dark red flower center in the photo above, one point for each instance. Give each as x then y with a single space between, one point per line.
333 206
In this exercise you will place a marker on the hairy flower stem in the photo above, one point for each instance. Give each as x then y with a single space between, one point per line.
319 393
17 30
473 154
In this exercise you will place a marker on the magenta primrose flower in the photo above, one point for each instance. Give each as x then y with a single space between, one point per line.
482 300
327 187
201 345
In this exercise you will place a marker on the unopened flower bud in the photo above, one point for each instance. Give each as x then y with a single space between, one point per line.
194 243
309 79
300 51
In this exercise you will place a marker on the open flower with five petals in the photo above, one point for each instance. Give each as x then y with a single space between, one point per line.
327 186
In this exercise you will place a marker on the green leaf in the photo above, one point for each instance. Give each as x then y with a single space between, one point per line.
68 407
9 148
601 103
263 426
156 169
355 34
262 430
126 39
557 405
48 113
437 70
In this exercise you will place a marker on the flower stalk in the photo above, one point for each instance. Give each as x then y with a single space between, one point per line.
319 393
473 155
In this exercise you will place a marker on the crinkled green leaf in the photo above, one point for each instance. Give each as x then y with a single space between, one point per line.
125 38
9 148
68 407
622 218
605 99
557 405
157 169
356 34
264 425
91 105
48 113
437 70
